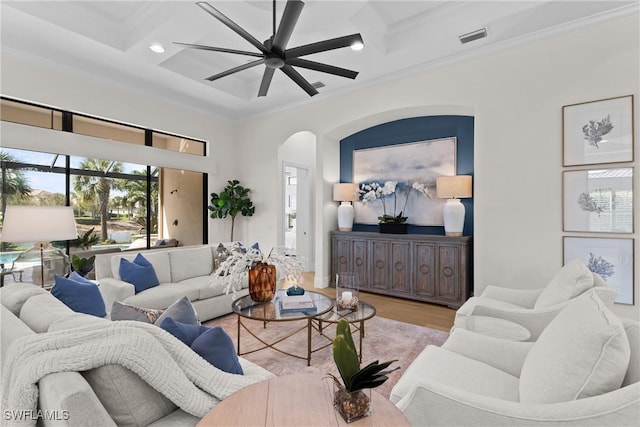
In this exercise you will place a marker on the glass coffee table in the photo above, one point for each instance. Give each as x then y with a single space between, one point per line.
268 312
357 316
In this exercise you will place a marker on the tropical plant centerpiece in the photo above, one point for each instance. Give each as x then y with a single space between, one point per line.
352 396
372 191
233 200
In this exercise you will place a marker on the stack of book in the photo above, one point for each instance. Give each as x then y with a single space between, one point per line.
297 304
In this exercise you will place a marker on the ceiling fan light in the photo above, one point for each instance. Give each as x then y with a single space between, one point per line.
357 45
157 48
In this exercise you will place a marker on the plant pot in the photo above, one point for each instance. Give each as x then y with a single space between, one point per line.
393 227
262 282
351 405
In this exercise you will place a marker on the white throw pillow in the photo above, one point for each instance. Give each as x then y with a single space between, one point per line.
583 352
572 280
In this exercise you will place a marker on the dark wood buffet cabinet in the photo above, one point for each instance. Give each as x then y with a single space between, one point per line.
424 267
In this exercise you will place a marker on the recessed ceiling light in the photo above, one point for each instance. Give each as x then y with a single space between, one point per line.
157 48
357 45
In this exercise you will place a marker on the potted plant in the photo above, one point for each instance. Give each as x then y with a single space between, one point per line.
86 240
81 265
352 396
233 200
396 222
244 264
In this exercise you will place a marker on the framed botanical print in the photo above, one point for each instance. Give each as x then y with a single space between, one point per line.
611 258
598 132
598 200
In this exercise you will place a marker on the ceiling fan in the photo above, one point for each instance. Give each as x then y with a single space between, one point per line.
274 53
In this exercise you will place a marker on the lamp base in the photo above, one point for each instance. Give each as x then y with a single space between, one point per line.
345 216
453 215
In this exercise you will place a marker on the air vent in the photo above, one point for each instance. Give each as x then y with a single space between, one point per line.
318 85
474 35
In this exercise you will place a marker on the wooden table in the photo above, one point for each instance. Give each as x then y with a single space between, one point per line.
295 400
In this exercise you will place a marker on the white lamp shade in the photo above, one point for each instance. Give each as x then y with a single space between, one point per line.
453 187
345 192
38 224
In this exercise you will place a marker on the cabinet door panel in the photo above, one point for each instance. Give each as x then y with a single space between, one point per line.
360 265
448 283
379 265
400 267
424 271
342 259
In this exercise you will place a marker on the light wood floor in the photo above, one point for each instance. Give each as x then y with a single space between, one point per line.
415 312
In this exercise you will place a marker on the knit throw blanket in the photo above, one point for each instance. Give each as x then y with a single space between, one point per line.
162 361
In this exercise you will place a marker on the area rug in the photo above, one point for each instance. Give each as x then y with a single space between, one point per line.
384 340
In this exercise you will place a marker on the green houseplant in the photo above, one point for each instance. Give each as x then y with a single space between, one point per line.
232 200
81 265
350 398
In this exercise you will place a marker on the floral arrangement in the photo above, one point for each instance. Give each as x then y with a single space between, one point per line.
372 191
232 272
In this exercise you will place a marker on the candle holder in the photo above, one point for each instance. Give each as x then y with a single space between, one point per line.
347 289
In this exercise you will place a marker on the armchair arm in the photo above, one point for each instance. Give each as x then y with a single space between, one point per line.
508 356
436 404
525 298
534 320
114 290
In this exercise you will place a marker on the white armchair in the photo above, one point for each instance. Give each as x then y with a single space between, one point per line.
582 371
523 314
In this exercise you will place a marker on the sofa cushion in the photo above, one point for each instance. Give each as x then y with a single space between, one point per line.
583 352
79 294
206 286
181 311
139 273
446 367
216 347
159 259
572 280
41 310
185 332
14 295
122 311
162 296
190 262
12 328
128 398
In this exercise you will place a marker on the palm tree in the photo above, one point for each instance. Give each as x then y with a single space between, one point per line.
98 188
136 193
13 182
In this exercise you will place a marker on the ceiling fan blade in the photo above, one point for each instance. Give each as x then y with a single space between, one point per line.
266 81
235 70
300 81
229 23
325 68
287 23
219 49
323 46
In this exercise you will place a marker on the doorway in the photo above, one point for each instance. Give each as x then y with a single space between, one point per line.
297 211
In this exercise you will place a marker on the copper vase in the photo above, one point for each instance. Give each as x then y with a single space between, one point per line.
262 282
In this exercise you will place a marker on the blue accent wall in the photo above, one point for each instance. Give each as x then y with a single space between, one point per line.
412 130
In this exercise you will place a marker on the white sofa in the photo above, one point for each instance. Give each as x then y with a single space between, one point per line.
182 271
522 314
106 396
583 370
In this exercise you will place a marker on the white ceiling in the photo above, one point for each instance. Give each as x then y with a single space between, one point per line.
108 41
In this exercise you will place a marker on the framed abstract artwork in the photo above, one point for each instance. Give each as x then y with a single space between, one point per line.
611 258
598 132
598 200
407 166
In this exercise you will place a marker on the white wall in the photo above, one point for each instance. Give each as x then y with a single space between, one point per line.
516 96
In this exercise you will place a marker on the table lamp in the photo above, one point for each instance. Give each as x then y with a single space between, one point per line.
345 193
39 224
453 188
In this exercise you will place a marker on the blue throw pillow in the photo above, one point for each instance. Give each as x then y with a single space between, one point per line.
139 273
181 311
187 333
216 347
79 296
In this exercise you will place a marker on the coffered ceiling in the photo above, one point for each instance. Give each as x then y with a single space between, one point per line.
108 41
